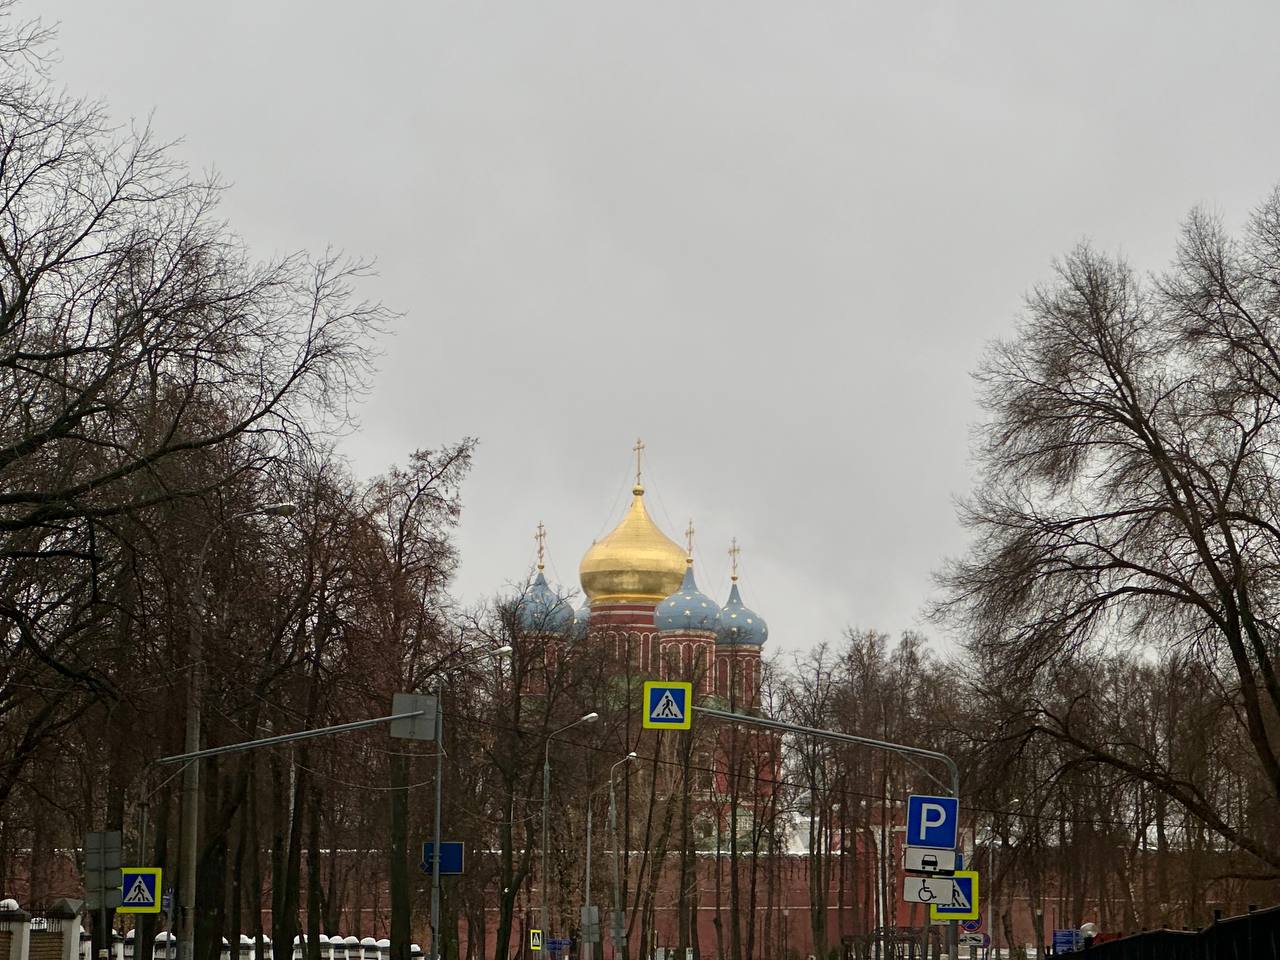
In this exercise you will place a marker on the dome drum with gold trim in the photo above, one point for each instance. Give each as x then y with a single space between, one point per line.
634 563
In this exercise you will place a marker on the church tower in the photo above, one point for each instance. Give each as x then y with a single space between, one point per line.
625 575
687 622
543 621
739 638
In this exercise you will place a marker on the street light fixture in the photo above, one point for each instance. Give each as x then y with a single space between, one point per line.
589 945
440 678
591 717
615 921
195 690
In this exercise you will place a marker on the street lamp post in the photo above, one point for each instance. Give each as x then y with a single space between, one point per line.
435 830
195 691
546 802
615 921
590 946
586 886
586 950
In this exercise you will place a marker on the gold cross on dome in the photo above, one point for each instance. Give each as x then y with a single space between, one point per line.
688 539
541 538
734 551
637 450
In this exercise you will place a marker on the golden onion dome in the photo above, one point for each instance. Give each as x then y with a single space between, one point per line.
634 563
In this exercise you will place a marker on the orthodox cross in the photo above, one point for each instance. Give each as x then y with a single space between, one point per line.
734 550
688 539
541 538
637 450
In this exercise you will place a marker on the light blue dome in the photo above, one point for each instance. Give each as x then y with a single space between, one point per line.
582 620
541 611
687 609
739 625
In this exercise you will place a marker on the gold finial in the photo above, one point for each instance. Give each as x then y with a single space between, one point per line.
688 542
541 538
734 550
637 450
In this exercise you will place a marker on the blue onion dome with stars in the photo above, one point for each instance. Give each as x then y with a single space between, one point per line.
541 610
739 624
688 608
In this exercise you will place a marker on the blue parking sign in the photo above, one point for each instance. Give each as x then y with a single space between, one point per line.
933 821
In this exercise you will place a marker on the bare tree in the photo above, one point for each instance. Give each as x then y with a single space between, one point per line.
1128 498
144 359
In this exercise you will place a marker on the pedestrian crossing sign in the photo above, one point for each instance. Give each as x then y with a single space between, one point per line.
668 705
964 898
139 890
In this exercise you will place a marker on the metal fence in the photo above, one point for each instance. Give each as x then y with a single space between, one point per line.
1252 936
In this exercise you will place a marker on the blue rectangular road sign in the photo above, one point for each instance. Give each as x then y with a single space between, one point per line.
933 821
451 858
1067 941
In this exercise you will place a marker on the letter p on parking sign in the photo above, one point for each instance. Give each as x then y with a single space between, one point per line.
932 821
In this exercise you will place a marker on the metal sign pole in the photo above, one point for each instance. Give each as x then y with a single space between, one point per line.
901 748
435 830
288 737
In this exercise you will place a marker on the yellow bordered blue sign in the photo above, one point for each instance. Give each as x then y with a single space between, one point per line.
139 890
668 705
964 898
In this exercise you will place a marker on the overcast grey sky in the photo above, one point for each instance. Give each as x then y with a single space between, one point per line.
770 238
